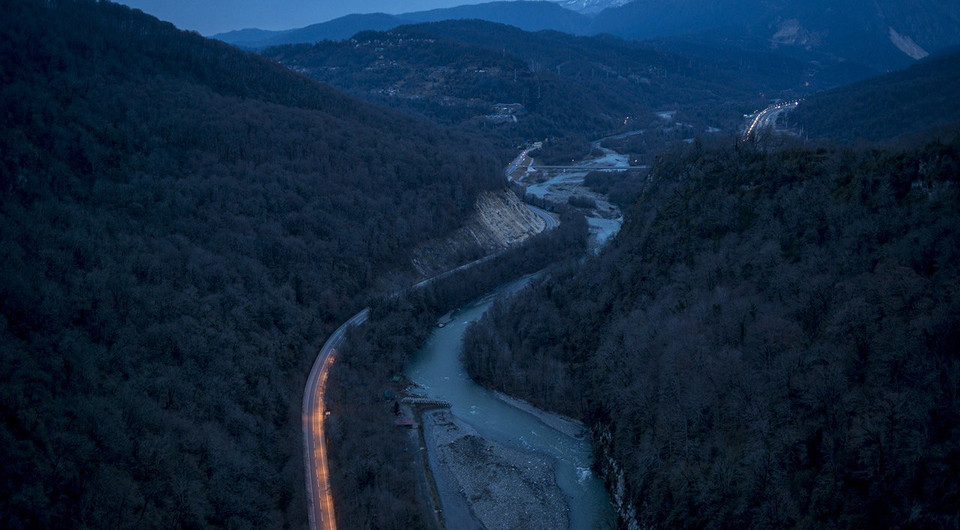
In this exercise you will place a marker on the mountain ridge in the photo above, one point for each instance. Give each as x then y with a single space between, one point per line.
526 15
883 35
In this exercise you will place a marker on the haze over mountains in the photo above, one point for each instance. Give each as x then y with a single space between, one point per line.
881 35
529 16
589 7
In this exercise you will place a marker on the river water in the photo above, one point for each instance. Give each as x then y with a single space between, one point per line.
605 220
438 369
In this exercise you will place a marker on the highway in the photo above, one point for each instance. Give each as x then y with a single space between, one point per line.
319 498
549 218
768 117
521 160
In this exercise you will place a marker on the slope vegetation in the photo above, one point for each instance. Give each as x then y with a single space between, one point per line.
922 97
771 341
181 223
510 85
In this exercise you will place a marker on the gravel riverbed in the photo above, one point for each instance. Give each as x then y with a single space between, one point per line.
502 487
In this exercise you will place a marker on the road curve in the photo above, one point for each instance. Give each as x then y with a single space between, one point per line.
549 218
767 118
319 498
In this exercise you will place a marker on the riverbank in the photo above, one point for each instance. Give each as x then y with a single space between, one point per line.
484 484
559 422
517 467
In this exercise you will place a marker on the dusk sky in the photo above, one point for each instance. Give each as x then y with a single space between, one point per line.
216 16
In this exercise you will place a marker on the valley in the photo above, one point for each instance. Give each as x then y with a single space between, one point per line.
567 264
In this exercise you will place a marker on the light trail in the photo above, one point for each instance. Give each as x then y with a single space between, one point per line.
319 493
762 119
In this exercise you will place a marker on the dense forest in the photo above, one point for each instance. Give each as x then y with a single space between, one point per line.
773 340
181 226
888 107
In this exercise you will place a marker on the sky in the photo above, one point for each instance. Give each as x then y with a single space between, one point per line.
216 16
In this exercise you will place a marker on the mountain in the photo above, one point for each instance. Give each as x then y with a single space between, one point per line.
526 15
183 224
336 29
589 7
922 97
881 34
457 72
856 38
644 19
725 68
529 16
244 38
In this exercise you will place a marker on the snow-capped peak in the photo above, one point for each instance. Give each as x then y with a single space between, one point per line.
589 7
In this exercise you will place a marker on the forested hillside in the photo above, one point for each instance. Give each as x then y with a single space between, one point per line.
181 225
467 73
922 97
773 340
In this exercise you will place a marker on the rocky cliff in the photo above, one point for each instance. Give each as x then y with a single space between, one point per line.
499 221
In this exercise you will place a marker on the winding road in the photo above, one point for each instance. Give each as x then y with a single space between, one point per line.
767 118
319 497
549 218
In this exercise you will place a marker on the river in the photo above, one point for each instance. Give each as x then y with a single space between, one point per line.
438 369
558 185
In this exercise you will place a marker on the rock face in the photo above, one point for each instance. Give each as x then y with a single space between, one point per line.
589 7
907 46
503 220
499 220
